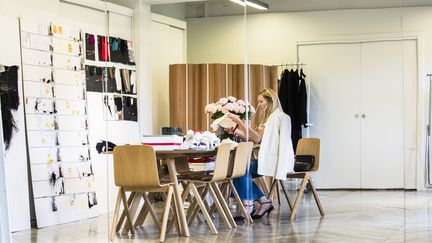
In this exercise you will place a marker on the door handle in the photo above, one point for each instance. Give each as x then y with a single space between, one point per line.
363 116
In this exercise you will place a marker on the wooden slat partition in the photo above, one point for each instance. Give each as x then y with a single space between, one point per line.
217 84
177 95
197 96
187 108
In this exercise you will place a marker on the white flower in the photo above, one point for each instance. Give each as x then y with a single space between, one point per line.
223 101
229 106
232 98
241 102
236 107
242 109
209 108
217 108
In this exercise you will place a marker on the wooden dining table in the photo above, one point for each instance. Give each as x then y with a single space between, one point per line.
169 157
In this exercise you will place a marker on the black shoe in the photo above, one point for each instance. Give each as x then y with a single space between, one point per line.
239 218
268 211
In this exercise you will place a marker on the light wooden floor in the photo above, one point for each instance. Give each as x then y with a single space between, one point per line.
351 216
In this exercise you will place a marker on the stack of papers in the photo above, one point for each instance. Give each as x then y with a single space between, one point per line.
224 122
163 142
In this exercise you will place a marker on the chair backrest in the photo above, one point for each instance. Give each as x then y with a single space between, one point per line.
222 162
242 159
310 146
135 166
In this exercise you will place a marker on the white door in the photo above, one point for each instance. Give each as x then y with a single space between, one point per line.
377 85
335 104
382 115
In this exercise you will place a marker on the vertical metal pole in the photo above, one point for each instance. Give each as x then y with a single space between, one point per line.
428 183
5 233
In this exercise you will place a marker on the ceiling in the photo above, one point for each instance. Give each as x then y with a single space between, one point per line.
225 7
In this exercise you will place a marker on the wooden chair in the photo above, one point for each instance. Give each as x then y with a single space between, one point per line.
209 183
240 165
305 146
135 171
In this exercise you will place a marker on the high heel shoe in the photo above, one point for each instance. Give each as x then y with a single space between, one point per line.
241 218
267 211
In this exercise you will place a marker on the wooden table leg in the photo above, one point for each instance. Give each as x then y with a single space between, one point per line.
177 196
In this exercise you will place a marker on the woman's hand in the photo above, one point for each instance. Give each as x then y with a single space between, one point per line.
235 118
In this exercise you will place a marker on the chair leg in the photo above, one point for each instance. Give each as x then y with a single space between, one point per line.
239 202
286 195
184 195
123 215
128 216
278 193
315 194
195 208
151 210
223 204
115 216
132 210
299 197
165 214
219 206
203 210
270 192
264 185
145 210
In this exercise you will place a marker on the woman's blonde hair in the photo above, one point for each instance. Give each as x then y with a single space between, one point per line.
273 103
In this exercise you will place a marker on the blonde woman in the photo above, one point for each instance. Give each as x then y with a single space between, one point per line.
276 155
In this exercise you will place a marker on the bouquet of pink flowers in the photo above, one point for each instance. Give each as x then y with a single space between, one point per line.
229 104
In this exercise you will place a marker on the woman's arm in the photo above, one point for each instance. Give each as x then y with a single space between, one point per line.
240 131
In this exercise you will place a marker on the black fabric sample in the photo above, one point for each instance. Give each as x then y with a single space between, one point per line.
124 51
111 81
116 52
94 78
118 103
130 109
9 101
90 46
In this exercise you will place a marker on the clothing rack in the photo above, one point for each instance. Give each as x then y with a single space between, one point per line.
300 65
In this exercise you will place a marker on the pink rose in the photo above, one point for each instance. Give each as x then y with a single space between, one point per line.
223 101
242 109
241 102
217 108
209 108
232 98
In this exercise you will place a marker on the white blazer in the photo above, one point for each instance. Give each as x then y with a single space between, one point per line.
276 154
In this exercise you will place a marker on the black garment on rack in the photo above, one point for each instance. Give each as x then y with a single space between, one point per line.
301 101
293 97
9 101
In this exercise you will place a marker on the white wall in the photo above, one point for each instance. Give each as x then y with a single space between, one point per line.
168 47
272 39
92 21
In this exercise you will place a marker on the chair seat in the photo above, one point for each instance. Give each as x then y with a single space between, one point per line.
196 177
163 188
